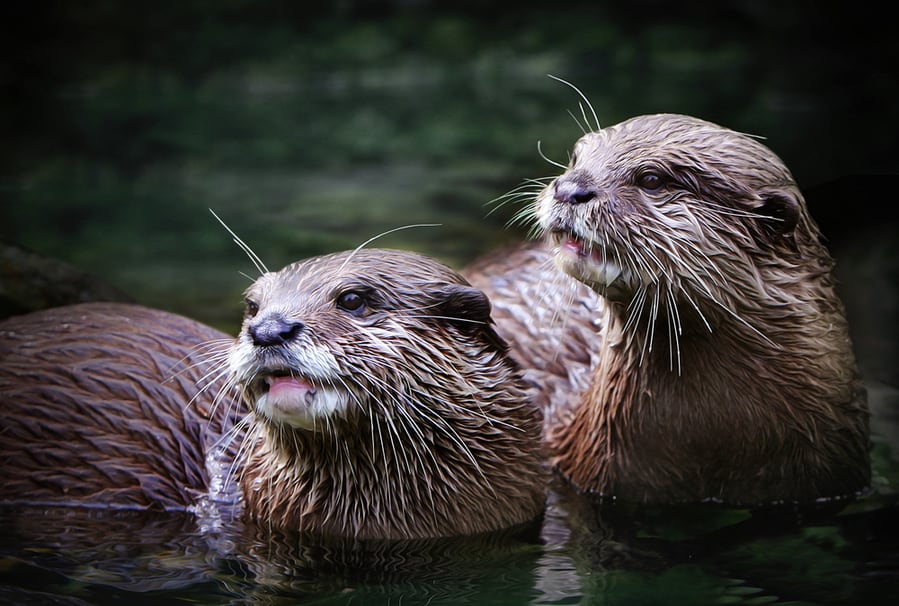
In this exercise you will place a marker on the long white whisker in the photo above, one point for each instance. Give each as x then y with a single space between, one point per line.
552 162
674 330
436 421
585 128
260 266
241 428
583 96
381 235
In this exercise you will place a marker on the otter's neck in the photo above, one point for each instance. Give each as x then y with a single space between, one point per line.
374 477
719 411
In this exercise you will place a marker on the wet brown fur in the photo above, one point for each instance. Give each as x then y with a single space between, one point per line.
723 368
439 439
120 406
96 407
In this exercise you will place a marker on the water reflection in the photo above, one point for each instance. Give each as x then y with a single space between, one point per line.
97 555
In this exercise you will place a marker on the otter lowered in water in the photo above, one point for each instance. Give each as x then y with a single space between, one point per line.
723 368
384 402
383 405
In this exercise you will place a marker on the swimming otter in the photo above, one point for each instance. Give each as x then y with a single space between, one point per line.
383 405
384 402
723 368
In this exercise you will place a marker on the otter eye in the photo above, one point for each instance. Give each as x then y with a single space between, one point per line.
650 180
351 301
251 308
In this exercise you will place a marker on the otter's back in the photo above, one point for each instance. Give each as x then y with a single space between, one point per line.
101 407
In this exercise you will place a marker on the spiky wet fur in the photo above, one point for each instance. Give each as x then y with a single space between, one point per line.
121 406
723 368
100 408
439 438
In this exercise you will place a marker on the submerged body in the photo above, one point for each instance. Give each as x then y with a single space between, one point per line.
722 367
382 405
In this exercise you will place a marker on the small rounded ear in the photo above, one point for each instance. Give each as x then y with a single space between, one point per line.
782 211
466 304
468 309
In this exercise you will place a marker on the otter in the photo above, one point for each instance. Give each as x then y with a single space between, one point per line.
722 368
385 403
100 407
382 404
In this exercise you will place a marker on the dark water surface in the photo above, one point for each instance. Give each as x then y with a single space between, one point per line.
310 130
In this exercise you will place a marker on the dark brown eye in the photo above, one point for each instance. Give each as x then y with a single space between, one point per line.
650 180
251 308
351 301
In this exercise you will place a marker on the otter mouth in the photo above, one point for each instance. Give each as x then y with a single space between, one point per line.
587 261
278 382
286 397
273 382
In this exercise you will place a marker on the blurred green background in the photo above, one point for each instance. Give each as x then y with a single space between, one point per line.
310 128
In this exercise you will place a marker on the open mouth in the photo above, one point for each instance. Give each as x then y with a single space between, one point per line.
577 245
282 382
585 260
288 398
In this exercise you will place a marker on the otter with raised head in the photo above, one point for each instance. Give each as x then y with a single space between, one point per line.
723 368
383 405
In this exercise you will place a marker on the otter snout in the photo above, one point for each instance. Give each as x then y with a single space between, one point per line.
571 189
274 330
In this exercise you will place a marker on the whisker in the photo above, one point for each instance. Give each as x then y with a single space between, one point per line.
584 128
583 96
246 428
548 161
435 420
260 266
674 330
381 235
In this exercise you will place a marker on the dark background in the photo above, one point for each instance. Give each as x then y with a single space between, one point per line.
312 127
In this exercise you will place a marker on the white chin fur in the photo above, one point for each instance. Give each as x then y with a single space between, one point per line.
303 411
588 269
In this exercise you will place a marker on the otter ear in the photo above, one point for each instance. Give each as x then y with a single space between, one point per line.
468 309
467 306
782 211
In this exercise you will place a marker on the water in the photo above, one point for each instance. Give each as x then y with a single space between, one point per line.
582 552
310 132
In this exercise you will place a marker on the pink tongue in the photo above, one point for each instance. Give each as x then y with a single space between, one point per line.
575 246
286 385
582 249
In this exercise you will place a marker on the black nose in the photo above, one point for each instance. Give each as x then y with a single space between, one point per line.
571 192
274 330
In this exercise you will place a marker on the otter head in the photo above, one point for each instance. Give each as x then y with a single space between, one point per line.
717 286
385 404
329 338
653 203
